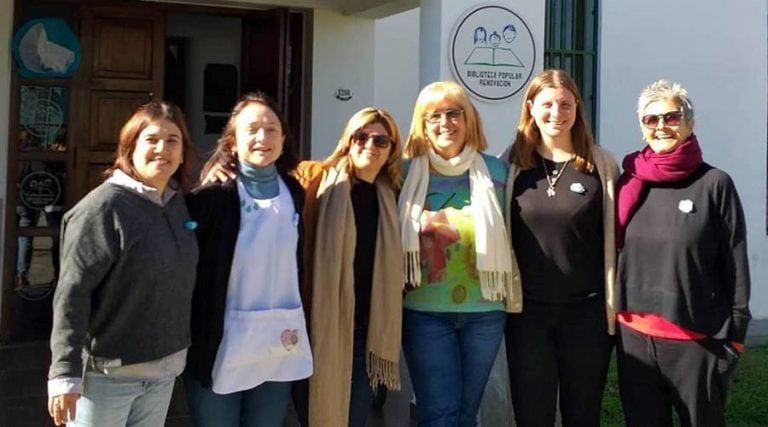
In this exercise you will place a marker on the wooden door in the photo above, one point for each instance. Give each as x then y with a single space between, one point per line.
264 48
64 132
124 52
275 60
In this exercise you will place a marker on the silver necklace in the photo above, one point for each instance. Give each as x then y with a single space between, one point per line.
556 175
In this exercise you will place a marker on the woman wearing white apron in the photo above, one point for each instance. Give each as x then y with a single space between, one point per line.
249 335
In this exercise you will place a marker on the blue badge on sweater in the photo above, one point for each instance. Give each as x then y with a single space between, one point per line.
190 225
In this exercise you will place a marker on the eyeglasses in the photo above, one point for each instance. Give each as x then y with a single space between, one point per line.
434 117
380 141
671 118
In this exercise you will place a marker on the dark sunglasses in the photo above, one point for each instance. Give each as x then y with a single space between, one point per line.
380 141
671 118
434 117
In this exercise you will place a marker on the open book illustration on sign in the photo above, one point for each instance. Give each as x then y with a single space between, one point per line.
494 49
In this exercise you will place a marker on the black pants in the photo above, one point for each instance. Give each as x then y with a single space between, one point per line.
300 397
565 346
657 374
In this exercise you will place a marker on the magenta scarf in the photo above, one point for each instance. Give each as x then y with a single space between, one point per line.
645 166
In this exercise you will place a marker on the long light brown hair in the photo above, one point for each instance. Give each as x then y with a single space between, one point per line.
129 135
528 138
431 95
393 167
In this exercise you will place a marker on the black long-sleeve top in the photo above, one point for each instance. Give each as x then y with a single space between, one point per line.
685 256
559 240
365 203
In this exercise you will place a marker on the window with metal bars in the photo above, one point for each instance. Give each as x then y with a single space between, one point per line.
570 44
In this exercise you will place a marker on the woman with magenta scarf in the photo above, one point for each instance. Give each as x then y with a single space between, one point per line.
683 274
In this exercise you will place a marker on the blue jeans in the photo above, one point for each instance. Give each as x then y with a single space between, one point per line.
261 406
27 217
449 357
108 402
361 392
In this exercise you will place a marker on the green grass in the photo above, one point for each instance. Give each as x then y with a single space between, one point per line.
747 396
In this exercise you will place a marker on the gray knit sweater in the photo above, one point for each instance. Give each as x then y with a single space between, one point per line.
126 280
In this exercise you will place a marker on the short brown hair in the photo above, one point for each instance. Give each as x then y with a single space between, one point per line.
143 117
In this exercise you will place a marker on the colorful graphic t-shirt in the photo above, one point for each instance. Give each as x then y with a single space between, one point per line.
449 280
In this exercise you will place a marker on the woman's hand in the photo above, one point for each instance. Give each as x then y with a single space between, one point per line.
63 408
219 174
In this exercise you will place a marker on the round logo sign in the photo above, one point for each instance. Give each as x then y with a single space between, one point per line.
43 118
492 52
39 189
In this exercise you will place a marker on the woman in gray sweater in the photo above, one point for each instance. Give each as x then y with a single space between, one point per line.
122 304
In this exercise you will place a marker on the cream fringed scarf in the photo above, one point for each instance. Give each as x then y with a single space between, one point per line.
491 244
333 300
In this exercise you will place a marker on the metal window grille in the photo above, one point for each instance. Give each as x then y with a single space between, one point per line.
570 44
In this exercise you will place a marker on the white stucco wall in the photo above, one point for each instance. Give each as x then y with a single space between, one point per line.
412 51
397 66
719 54
343 58
6 26
210 40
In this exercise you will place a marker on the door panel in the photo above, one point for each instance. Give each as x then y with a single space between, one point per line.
275 60
299 75
264 49
123 47
109 111
126 70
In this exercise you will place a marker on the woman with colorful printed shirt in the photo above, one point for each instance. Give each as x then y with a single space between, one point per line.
457 257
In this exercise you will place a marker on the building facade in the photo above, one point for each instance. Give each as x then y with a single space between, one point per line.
326 59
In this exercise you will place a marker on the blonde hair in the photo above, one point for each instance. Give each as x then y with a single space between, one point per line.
369 115
528 135
431 95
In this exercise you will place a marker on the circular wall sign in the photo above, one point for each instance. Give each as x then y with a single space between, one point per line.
39 189
46 48
492 52
42 117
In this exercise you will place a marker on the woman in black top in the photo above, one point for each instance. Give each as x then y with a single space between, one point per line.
354 260
683 275
560 214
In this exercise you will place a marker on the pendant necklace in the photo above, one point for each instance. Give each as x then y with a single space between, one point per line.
556 175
